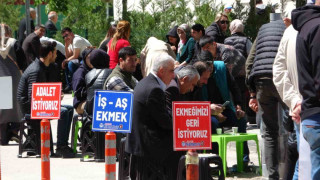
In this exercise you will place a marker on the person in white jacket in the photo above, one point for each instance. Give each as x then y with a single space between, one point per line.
151 51
285 79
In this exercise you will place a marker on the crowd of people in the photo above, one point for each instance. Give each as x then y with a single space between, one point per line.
279 68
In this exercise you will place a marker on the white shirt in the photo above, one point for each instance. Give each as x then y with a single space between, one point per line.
59 47
79 43
163 86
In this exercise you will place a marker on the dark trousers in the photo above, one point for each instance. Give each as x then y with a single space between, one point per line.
142 168
64 125
268 99
291 160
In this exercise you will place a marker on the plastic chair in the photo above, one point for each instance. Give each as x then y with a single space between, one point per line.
92 143
205 168
76 125
29 138
224 139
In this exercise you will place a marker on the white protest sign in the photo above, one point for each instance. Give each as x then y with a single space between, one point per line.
6 92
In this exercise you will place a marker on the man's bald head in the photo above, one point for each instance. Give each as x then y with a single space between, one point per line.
53 16
33 13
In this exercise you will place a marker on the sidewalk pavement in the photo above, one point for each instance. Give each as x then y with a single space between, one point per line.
29 168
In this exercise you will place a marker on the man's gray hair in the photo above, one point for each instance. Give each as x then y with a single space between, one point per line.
189 71
162 60
32 10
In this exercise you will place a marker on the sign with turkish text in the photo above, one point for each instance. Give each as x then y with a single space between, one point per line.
112 111
46 100
191 125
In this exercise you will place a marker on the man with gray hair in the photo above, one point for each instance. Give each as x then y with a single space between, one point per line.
50 25
186 79
22 32
150 141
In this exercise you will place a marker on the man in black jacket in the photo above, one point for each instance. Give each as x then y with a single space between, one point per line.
306 20
197 31
261 87
151 139
31 45
43 70
50 25
22 32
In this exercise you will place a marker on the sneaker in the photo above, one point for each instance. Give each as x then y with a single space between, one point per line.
65 152
14 138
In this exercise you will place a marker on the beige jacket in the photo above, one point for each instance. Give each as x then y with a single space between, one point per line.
285 76
151 50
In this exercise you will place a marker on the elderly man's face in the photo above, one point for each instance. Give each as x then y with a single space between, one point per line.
187 85
167 73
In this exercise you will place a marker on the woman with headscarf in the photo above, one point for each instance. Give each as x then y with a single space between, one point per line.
96 78
78 82
12 62
238 39
173 39
186 45
120 39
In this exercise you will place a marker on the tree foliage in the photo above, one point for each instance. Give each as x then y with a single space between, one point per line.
154 18
86 18
9 14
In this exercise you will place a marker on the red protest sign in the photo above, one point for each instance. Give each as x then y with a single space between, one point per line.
191 125
46 99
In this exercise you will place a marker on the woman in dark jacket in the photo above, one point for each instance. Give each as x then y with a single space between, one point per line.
78 82
238 39
96 78
173 39
218 28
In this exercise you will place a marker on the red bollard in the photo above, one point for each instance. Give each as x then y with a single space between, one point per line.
45 149
192 163
110 155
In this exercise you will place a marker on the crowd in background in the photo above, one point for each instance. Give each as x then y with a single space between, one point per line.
278 68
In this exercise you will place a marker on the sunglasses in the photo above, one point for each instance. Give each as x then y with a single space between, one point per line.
224 22
65 36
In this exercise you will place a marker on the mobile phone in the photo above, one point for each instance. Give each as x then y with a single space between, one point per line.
225 103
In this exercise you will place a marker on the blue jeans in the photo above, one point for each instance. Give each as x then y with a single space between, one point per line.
296 172
70 70
312 136
64 125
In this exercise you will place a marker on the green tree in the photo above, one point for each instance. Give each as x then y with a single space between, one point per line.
9 14
86 18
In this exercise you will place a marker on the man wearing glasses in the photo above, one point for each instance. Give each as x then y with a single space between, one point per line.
218 28
74 45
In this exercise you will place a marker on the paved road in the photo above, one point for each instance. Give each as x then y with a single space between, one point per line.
29 168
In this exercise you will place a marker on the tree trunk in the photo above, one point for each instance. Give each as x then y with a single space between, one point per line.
124 10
